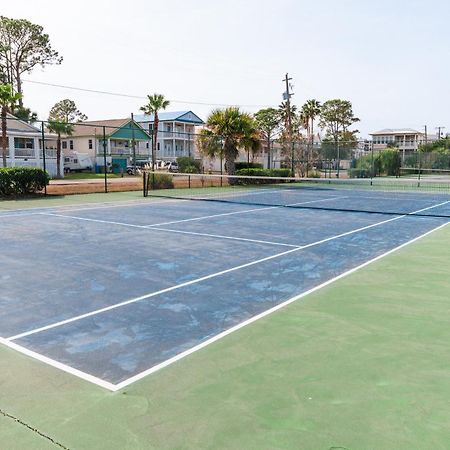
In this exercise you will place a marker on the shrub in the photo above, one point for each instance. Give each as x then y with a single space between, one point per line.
247 165
359 173
161 181
262 173
22 180
187 164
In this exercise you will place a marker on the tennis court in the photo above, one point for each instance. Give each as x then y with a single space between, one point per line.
113 292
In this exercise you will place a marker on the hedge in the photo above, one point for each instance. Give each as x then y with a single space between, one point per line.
16 181
262 173
281 173
247 165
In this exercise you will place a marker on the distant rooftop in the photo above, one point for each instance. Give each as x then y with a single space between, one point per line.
396 131
13 124
166 116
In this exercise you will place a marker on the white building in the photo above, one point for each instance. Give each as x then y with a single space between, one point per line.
25 146
176 134
405 139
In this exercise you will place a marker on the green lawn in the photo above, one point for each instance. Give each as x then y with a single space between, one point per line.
361 364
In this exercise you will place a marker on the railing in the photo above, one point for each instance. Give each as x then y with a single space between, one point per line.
176 135
24 153
49 153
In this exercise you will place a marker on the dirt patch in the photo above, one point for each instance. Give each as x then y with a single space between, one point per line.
90 188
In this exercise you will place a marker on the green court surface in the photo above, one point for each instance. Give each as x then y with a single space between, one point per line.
360 364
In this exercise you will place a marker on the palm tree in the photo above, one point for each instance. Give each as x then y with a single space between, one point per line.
156 102
235 129
59 128
310 110
7 102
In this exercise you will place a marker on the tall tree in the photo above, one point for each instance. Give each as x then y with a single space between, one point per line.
23 46
156 103
268 123
7 101
66 111
336 116
60 121
234 129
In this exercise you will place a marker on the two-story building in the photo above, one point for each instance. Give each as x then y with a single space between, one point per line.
25 146
176 134
116 136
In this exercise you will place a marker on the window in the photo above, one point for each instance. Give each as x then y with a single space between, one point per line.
90 144
147 145
159 146
64 145
71 145
23 143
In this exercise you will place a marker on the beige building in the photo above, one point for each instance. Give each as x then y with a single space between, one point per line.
115 136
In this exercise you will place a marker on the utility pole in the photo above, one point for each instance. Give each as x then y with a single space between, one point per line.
287 96
426 134
439 132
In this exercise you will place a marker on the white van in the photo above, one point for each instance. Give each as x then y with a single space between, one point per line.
76 162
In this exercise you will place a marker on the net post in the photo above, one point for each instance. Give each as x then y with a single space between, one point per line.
144 183
43 152
420 168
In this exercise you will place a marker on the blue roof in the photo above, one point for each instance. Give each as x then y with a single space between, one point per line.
180 116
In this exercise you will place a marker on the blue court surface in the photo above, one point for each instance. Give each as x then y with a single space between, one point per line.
113 292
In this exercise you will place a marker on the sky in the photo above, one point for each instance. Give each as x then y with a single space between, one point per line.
391 59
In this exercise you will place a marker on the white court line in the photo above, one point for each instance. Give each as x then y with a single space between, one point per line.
149 228
239 212
221 236
206 277
24 214
58 365
253 319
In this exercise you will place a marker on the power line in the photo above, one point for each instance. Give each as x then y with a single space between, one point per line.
117 94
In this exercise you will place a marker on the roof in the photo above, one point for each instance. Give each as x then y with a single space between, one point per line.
95 127
395 131
13 124
114 128
179 116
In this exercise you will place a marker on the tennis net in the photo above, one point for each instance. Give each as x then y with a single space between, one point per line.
395 196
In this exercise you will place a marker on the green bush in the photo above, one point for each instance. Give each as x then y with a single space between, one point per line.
359 173
187 164
22 181
161 181
247 165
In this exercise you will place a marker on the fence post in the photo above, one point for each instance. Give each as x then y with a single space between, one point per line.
43 152
104 160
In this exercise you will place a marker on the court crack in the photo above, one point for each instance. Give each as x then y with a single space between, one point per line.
34 430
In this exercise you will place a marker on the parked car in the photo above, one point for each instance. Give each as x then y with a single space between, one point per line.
172 166
140 165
